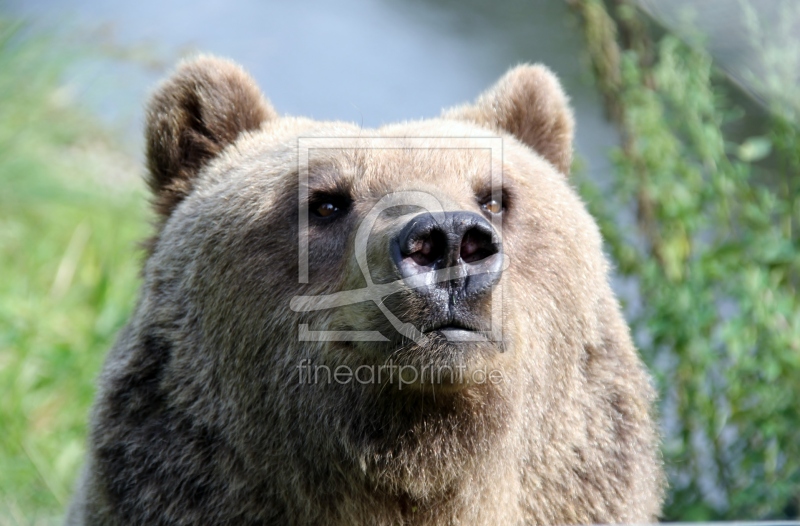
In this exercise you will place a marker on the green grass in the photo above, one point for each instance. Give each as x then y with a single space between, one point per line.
71 214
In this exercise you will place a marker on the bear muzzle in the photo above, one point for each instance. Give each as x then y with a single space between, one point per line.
448 262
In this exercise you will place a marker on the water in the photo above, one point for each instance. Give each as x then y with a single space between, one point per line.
369 62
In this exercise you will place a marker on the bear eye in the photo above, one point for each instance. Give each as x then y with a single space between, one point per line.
492 206
326 210
329 207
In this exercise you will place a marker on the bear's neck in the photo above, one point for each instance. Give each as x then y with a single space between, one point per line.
407 458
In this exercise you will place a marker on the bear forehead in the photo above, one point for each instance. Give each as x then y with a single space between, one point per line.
424 155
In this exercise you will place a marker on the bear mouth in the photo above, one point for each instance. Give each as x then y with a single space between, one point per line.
457 332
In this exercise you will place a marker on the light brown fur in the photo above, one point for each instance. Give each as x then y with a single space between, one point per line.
201 419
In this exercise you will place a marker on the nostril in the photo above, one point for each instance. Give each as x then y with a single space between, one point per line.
476 245
462 242
429 248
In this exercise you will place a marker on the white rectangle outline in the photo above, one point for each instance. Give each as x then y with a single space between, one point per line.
305 144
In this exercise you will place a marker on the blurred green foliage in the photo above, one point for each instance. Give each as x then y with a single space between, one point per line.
714 253
70 218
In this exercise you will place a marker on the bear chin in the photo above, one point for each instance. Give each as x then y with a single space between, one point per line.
417 439
436 366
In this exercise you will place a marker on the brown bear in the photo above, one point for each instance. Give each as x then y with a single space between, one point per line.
404 325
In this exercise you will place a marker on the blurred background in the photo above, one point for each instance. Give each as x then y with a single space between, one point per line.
688 147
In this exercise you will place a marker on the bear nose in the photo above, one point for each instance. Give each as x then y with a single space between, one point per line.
463 242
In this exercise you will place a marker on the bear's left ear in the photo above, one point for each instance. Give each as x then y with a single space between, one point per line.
527 102
202 108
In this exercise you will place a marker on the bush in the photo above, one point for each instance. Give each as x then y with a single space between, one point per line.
714 254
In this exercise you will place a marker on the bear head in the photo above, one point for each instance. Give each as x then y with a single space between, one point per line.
409 323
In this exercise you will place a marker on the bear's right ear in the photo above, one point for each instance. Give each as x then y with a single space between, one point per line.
192 117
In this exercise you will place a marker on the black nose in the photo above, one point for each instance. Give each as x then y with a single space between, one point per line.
463 242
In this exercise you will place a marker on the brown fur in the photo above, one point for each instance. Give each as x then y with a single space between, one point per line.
528 103
201 417
193 116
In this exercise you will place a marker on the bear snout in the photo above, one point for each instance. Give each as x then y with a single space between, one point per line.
458 253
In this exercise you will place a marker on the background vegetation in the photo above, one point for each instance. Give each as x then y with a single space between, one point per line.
714 254
70 216
710 246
